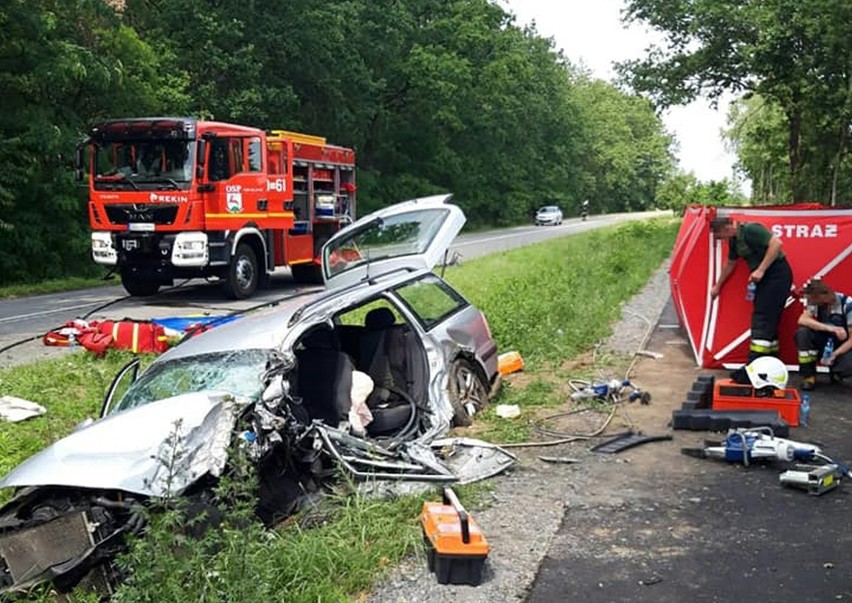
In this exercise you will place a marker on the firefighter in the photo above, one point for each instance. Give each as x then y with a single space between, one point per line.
827 318
768 270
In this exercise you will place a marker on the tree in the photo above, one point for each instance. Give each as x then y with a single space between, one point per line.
62 64
792 52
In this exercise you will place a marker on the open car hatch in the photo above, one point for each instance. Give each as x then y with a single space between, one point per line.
412 235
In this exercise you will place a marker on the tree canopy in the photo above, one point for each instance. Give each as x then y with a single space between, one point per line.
793 54
434 95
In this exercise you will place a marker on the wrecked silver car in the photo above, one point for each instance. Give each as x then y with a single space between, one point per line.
364 378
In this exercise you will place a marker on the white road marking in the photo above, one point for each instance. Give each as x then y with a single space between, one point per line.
45 312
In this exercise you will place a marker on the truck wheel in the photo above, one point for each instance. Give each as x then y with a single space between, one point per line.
467 392
242 278
310 274
137 286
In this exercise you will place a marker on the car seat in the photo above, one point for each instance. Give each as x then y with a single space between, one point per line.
325 377
382 355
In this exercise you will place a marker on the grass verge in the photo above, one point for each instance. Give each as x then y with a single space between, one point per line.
55 286
550 301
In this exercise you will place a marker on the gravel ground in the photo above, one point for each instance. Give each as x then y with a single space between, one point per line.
528 504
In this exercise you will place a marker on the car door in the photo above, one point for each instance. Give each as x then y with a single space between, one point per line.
411 236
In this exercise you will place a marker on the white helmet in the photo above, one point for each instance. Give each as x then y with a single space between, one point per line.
767 371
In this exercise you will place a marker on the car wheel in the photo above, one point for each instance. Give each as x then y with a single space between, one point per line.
468 392
242 278
137 286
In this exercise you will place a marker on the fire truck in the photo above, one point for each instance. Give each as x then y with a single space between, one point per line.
173 198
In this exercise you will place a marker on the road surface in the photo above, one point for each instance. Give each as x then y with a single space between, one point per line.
30 317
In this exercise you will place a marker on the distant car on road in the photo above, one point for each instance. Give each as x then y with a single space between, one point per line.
549 214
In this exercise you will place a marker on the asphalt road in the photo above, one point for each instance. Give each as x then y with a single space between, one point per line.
29 317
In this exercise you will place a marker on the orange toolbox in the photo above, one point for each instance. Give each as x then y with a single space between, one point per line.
456 549
730 395
509 362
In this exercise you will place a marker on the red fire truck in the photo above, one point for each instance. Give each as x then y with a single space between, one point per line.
178 198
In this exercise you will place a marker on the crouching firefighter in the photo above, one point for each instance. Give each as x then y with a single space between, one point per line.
824 333
769 272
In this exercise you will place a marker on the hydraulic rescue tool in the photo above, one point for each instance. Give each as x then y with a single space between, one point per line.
759 444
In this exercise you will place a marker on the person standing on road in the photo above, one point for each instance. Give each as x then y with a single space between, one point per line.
827 317
769 271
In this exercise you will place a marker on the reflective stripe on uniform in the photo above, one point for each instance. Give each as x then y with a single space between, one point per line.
808 355
763 346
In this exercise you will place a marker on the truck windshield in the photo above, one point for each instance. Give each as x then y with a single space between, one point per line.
144 164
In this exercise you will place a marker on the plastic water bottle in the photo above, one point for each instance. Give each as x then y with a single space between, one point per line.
750 292
828 350
804 410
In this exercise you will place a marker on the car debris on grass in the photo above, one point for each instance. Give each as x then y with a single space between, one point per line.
276 388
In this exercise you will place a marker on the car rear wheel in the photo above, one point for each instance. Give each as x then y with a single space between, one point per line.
467 390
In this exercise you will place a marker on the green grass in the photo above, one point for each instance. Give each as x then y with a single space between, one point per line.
70 388
553 300
55 286
550 301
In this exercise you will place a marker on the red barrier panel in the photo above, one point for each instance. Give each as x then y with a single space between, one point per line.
817 242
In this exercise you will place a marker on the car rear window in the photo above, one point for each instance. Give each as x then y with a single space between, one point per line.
431 299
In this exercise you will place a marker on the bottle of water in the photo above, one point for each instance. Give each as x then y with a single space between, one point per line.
750 292
828 350
804 410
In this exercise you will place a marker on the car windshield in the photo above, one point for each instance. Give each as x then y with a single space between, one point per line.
549 209
236 372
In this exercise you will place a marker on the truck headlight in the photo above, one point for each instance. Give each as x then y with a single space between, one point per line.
190 249
102 250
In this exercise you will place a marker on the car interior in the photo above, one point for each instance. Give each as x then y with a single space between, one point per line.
384 347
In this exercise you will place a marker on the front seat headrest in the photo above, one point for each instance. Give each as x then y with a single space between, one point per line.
379 318
321 339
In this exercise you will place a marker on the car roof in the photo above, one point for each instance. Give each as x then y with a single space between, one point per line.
267 328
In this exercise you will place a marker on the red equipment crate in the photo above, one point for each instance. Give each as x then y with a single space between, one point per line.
729 395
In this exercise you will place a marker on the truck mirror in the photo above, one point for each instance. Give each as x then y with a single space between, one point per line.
202 152
202 156
78 162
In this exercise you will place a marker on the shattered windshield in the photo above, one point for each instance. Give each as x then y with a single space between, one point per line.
149 164
235 372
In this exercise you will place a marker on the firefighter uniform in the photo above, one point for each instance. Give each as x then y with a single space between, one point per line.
811 343
770 297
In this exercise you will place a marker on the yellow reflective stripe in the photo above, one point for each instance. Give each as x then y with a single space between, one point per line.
115 330
756 347
135 345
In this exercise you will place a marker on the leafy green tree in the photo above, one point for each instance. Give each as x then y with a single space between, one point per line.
62 64
628 150
791 52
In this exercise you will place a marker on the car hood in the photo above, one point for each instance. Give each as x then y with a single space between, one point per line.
158 449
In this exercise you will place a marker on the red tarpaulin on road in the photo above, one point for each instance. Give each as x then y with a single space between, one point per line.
818 243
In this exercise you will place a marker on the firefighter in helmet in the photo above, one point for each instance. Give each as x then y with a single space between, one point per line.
768 270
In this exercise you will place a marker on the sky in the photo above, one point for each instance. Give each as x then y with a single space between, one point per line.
590 32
